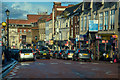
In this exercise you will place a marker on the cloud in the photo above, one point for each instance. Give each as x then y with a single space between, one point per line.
19 10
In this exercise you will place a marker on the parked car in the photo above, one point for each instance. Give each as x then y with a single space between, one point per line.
55 54
43 52
26 54
59 54
15 53
82 54
51 53
68 54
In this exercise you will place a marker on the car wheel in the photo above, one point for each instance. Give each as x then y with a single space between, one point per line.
73 59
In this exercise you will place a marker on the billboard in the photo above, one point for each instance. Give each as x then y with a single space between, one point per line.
93 25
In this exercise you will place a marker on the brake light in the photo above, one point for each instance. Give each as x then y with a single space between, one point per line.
36 49
60 53
78 50
55 53
33 53
68 53
89 51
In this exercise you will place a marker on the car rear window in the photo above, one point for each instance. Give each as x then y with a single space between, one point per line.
26 51
70 51
84 51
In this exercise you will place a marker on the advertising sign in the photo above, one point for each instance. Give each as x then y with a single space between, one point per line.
93 25
115 36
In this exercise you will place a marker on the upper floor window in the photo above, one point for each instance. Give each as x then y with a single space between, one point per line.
81 23
106 20
94 16
112 19
24 31
29 30
20 30
85 22
101 21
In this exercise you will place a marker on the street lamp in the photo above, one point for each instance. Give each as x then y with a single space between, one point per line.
7 13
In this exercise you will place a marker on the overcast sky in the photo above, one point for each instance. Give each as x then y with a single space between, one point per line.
19 10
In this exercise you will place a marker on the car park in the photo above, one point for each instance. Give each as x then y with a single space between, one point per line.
43 52
68 54
82 54
26 54
55 54
59 54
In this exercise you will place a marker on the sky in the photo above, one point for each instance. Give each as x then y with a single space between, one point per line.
19 10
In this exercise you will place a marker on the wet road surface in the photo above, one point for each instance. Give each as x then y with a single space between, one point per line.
57 68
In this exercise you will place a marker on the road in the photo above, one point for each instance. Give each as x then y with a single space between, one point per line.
57 68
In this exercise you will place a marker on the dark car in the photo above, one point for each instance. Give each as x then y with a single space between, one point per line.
82 54
14 53
59 54
68 54
43 52
55 54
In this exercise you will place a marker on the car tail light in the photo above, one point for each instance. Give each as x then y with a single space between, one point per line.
78 50
36 49
68 53
60 53
89 51
55 53
33 53
90 58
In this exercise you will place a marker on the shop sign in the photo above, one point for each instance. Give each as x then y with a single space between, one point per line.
115 36
106 41
93 25
103 41
98 37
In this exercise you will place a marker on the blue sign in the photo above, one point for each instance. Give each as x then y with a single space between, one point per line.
93 25
76 39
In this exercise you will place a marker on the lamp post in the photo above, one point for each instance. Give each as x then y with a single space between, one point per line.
7 13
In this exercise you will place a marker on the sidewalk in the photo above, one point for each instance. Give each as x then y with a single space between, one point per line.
107 62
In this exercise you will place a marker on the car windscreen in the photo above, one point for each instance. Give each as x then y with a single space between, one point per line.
70 51
26 51
44 48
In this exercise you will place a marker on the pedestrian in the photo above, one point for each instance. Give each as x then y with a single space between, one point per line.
104 56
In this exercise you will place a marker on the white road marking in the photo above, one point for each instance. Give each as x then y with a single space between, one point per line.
95 63
24 64
82 63
67 63
12 73
53 63
41 63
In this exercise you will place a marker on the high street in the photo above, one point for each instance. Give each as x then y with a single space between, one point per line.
58 68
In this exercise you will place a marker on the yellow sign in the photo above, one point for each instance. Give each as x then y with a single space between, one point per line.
4 24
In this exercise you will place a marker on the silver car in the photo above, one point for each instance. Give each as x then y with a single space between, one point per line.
26 54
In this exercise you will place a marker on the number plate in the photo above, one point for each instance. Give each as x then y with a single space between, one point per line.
44 54
85 54
26 54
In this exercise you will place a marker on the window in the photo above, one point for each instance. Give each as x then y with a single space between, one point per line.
85 22
71 20
106 20
20 30
101 21
29 30
81 23
94 16
20 37
89 16
112 19
24 31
